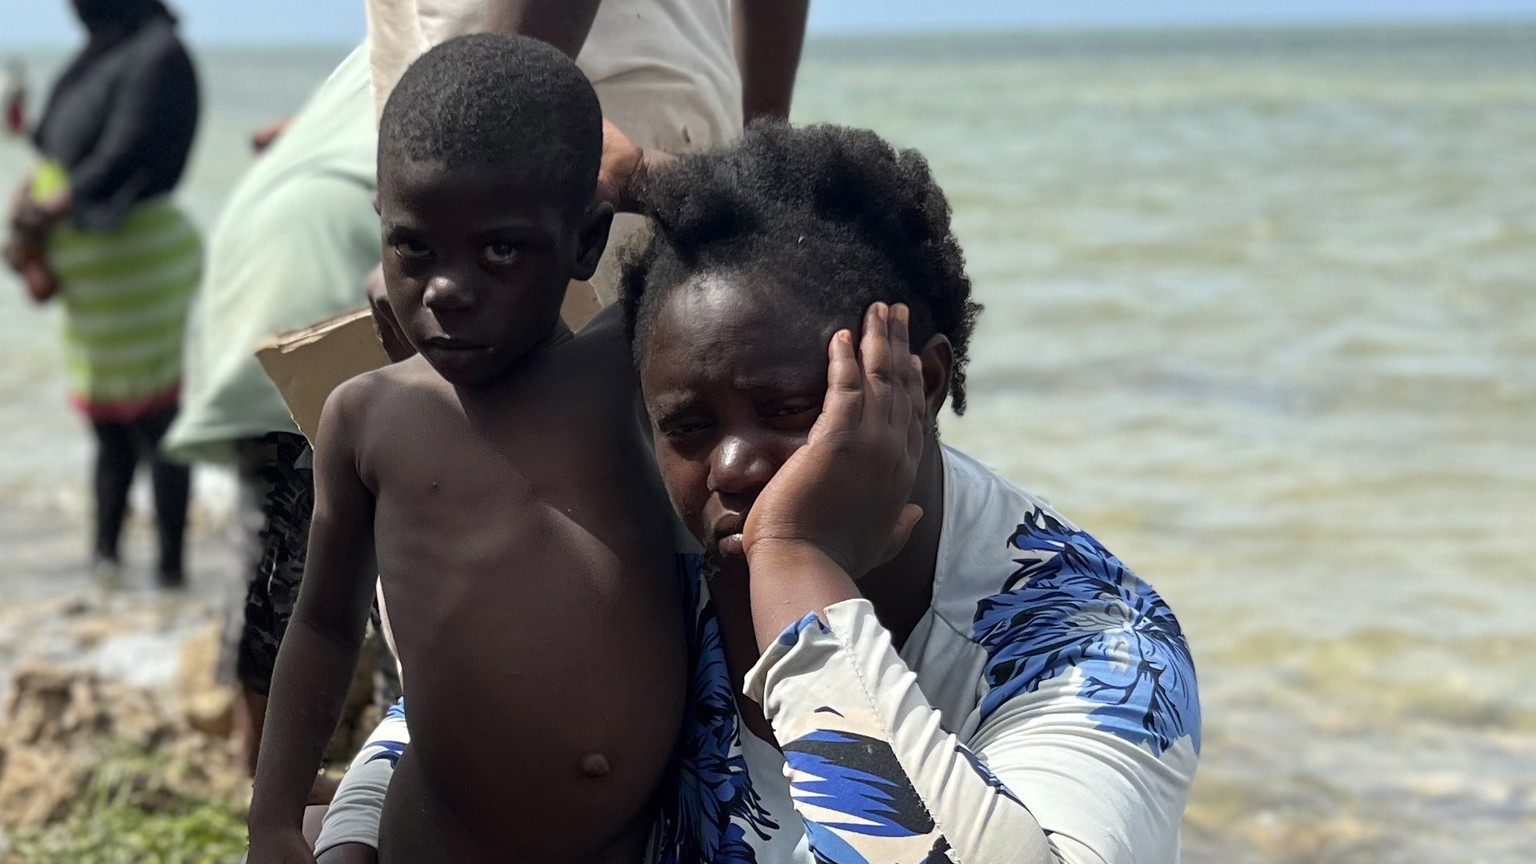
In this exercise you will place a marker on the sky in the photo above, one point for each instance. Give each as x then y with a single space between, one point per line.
49 22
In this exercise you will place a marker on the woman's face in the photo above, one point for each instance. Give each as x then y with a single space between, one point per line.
733 375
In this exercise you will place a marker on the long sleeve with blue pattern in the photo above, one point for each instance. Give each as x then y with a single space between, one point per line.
1081 746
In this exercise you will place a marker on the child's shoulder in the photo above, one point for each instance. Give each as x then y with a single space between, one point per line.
363 408
385 388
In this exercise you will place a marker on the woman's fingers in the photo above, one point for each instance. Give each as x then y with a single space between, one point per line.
901 341
917 409
875 355
907 409
842 367
845 391
903 375
897 365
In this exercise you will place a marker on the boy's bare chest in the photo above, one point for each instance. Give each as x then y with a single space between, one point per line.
469 487
464 518
496 459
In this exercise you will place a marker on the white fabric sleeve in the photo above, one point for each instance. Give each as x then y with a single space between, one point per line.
873 772
353 816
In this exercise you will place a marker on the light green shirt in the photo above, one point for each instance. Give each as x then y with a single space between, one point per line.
293 245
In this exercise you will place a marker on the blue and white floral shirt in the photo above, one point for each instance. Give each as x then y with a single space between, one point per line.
1043 710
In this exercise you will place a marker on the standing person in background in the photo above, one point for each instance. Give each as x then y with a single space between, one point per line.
296 237
94 223
13 96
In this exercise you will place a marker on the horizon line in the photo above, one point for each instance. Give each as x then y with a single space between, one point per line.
1108 26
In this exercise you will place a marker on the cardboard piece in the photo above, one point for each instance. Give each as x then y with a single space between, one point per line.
307 364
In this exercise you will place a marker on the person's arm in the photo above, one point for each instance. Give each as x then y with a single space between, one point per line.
31 219
626 170
565 25
1049 777
17 241
320 648
22 195
267 135
562 23
769 35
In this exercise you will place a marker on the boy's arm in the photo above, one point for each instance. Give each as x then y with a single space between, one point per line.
319 651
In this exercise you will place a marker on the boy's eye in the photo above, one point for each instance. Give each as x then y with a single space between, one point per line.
411 249
501 252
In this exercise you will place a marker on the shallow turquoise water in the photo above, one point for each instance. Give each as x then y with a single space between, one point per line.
1260 316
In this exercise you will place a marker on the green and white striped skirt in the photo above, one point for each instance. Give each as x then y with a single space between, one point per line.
126 293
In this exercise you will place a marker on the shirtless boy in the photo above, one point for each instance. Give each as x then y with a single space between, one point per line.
500 485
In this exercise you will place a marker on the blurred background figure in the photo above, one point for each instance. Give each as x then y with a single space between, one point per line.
94 225
13 98
296 237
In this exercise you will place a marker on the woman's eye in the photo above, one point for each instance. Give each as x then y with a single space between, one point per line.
792 409
682 428
411 249
501 252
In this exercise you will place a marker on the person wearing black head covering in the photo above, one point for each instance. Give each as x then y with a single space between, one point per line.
121 118
94 225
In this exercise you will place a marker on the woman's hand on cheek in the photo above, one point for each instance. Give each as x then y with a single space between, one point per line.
845 495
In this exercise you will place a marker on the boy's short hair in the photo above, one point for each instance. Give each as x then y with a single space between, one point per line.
503 101
833 216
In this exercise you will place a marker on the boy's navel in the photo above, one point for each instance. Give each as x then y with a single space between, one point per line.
595 764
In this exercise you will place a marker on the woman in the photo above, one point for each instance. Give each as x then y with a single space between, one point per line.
900 656
94 225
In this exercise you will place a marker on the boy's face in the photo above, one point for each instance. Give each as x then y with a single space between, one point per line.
476 263
733 378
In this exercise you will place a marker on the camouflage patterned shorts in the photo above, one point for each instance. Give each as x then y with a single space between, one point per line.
277 502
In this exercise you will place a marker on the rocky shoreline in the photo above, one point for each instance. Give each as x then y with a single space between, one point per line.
117 701
115 725
85 749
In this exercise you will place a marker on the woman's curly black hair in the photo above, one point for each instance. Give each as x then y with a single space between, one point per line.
834 216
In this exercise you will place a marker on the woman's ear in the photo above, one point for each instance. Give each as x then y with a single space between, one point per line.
938 358
592 239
